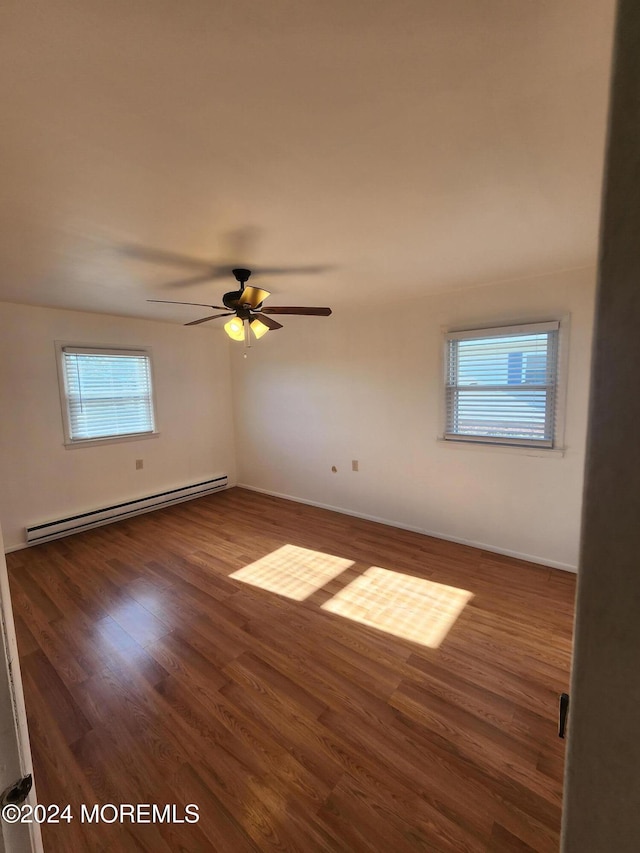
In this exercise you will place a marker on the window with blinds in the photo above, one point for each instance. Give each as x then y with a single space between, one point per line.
501 385
107 393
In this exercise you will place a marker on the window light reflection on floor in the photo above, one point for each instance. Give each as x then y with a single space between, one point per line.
292 571
412 608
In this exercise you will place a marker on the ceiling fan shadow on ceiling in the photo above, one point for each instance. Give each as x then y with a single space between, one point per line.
239 246
246 309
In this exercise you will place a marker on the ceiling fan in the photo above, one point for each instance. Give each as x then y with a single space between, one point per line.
245 308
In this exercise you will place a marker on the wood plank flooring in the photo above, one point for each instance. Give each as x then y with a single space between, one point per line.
295 715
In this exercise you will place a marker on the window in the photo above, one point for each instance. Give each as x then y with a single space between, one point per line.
502 385
107 393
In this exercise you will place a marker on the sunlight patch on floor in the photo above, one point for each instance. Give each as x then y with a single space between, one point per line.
292 571
408 607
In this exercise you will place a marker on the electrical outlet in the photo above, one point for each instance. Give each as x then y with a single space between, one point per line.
354 465
139 464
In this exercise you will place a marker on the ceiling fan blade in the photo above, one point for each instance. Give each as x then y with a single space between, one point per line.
173 302
271 324
206 319
253 296
288 309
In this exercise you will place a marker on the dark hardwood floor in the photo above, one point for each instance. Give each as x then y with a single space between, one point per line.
302 714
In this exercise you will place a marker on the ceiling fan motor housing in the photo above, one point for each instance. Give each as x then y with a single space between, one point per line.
232 299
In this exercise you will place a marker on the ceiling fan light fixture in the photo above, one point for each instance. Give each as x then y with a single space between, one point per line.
235 329
258 328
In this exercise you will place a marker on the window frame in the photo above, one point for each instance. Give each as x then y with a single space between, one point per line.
101 349
514 445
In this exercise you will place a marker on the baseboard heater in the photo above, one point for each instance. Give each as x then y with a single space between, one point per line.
106 515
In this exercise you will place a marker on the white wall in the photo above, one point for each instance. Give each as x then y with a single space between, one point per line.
366 384
363 384
41 480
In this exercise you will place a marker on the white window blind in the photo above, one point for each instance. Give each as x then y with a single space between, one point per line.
501 385
108 393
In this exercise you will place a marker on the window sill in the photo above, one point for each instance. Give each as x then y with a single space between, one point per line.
518 450
115 439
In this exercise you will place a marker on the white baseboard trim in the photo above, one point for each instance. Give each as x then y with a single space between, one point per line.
9 549
529 558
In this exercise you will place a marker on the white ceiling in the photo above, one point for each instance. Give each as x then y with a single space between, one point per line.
410 145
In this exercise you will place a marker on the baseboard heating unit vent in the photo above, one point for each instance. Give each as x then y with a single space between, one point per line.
95 518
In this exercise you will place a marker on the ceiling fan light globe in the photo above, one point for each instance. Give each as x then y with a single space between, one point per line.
235 329
258 328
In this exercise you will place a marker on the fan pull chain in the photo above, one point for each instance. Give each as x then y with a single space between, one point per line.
247 332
